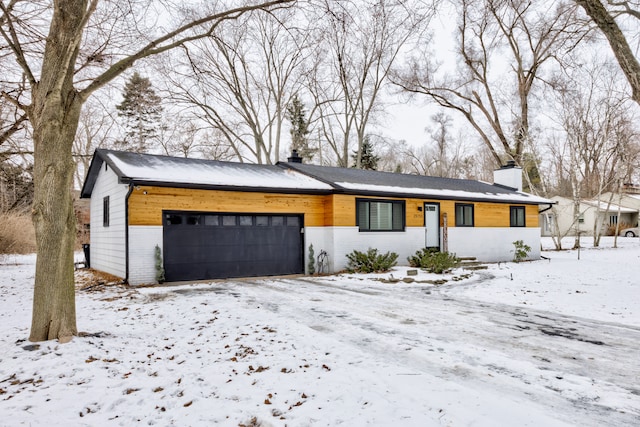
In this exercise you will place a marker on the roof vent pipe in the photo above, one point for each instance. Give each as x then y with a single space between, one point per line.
295 158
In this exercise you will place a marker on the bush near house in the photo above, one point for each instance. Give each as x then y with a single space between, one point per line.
434 261
521 251
611 230
371 261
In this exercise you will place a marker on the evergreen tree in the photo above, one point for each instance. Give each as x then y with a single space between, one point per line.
141 111
368 160
299 131
16 186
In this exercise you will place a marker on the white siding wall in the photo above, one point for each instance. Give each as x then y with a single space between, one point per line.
320 239
486 244
108 243
339 241
142 250
492 244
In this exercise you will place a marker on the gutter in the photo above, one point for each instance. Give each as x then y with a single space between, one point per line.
126 233
546 209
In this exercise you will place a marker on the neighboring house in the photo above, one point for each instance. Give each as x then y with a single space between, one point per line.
215 219
591 213
83 218
629 198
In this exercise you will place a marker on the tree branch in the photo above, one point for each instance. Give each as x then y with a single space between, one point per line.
618 42
156 46
15 127
13 41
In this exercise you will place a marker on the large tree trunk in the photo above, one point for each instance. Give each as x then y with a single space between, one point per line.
55 114
54 312
621 49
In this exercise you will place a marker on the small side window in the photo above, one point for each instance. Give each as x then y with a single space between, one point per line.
105 211
517 216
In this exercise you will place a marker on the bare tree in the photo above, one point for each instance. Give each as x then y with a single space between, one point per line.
241 79
94 128
503 47
601 138
359 46
62 64
605 19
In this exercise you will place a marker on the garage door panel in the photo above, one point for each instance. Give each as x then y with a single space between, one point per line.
210 246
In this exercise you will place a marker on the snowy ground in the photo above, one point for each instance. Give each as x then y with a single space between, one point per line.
545 343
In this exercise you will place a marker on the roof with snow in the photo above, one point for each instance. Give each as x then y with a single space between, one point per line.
608 207
367 182
148 169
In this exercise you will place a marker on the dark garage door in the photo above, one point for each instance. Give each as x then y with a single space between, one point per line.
199 246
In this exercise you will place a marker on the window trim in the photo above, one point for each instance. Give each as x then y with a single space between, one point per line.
401 203
460 221
105 211
513 209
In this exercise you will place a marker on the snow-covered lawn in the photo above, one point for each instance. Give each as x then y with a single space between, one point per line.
545 343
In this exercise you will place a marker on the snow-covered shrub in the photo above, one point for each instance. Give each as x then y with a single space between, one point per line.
311 263
371 261
434 261
159 267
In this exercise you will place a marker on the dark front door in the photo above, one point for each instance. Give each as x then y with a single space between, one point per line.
200 246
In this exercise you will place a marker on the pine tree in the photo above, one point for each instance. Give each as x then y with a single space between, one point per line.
299 131
368 160
141 111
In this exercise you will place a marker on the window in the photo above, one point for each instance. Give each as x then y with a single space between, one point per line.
517 216
464 215
262 221
581 219
245 220
105 211
193 220
173 219
613 219
211 220
380 215
228 221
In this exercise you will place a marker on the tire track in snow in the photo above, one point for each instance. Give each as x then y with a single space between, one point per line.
541 356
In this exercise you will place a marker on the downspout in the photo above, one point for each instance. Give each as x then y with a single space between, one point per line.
546 209
547 216
126 232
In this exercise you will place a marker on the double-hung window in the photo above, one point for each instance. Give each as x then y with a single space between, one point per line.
464 215
380 215
517 216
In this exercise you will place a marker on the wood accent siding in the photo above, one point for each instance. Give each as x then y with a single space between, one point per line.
319 210
486 214
532 217
146 209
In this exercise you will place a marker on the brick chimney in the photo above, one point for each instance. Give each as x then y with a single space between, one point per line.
509 175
